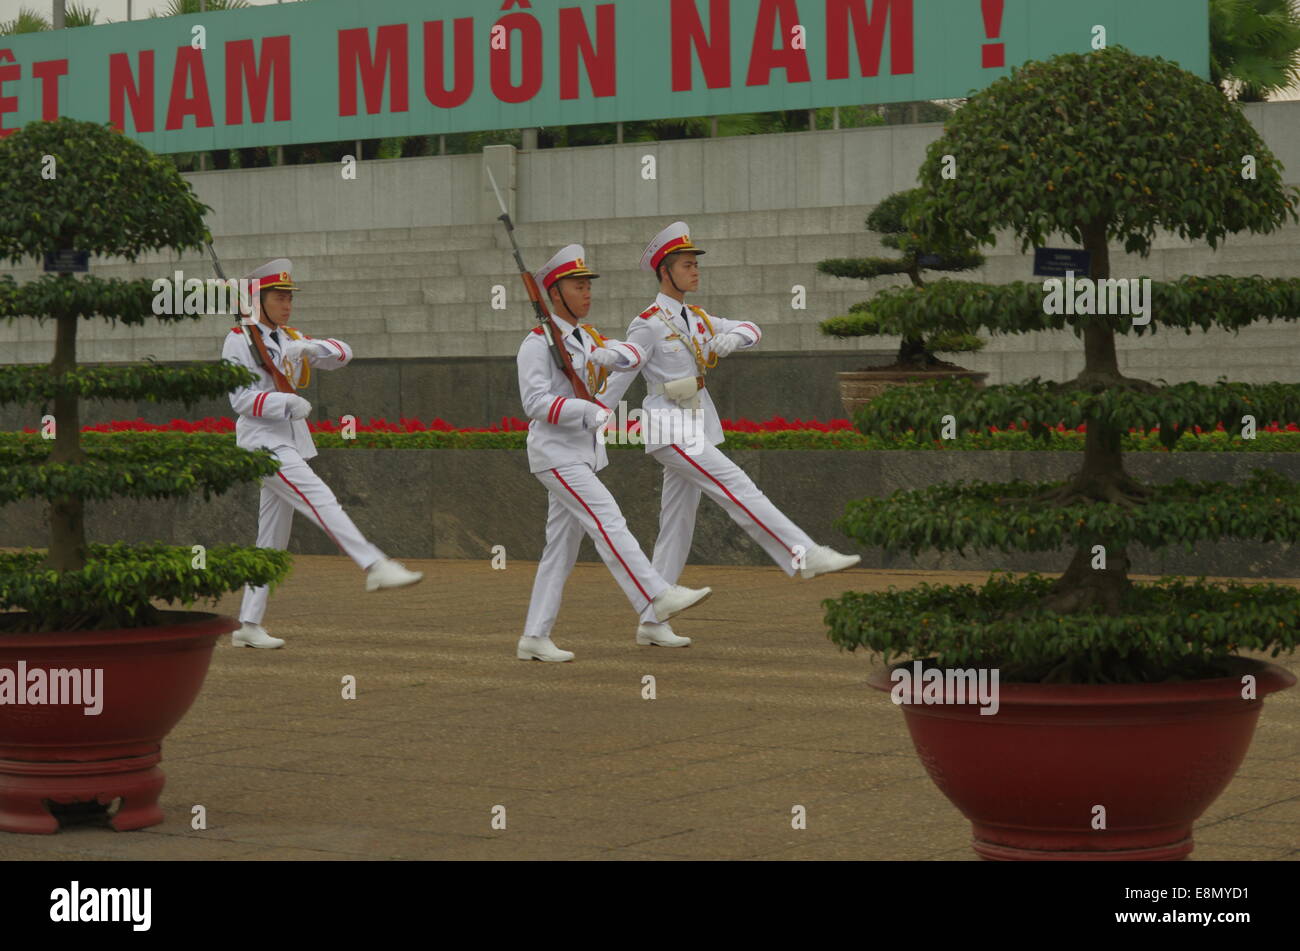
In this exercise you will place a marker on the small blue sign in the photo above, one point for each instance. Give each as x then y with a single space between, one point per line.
67 262
1057 262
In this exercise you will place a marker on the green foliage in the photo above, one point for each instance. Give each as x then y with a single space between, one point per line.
887 219
183 7
79 15
1254 46
1091 140
146 466
110 196
807 440
1005 517
1170 629
1176 409
861 322
27 21
119 583
1190 303
186 384
84 296
1089 147
30 21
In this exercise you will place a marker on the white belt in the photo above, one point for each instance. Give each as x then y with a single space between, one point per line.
658 389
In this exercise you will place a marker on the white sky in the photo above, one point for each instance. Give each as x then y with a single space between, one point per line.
115 10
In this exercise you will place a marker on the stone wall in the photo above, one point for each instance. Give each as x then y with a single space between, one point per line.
401 262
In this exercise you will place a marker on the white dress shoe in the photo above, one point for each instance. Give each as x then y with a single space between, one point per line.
677 599
660 635
541 648
254 635
823 560
390 574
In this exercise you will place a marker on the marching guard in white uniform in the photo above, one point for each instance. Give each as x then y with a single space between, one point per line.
565 453
680 343
272 419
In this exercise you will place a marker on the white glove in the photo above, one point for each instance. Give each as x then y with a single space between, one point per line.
595 416
726 345
605 357
294 350
298 407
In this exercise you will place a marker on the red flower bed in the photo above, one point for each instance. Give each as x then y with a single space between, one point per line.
508 424
512 424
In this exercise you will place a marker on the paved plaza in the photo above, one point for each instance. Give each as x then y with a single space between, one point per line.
760 715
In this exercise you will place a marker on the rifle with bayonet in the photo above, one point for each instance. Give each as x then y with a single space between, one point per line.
556 343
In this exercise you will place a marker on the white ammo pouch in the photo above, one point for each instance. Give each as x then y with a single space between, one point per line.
684 392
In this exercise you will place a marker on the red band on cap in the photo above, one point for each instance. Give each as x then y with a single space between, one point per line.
562 271
669 248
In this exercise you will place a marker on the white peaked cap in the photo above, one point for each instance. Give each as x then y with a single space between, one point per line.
676 237
273 274
569 261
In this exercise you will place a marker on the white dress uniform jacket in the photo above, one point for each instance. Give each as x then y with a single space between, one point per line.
264 421
667 359
558 434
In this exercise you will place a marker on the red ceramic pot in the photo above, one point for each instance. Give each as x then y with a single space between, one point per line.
58 753
1029 777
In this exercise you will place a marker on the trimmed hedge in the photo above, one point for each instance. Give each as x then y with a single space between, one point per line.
956 516
1057 440
1171 628
119 581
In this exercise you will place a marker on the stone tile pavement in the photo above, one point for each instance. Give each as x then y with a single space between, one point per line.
760 715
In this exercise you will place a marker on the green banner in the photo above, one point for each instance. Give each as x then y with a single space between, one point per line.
330 70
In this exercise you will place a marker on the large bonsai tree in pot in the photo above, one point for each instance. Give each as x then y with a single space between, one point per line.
1125 708
917 360
93 671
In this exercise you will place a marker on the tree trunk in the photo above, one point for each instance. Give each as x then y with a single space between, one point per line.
1102 478
912 350
67 513
1085 588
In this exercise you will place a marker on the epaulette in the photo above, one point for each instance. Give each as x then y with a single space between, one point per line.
236 330
538 330
647 314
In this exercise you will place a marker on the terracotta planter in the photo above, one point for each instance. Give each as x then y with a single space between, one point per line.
860 387
1029 776
57 753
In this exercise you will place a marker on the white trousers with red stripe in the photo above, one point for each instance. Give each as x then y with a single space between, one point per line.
297 488
580 504
707 471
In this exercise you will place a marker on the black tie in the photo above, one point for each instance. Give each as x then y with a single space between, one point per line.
686 320
275 335
577 335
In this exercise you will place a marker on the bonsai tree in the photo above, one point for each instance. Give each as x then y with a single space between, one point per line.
1086 146
916 350
77 185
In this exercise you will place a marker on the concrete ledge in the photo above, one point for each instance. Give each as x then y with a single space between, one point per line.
462 503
